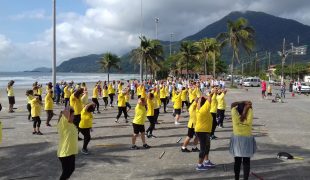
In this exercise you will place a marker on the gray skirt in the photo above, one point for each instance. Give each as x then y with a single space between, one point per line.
242 146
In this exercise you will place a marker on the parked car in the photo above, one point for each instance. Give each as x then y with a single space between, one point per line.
304 87
275 83
251 82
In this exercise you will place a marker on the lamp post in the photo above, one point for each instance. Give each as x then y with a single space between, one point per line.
156 27
54 44
141 61
292 60
170 45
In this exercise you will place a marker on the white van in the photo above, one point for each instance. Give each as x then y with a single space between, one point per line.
251 82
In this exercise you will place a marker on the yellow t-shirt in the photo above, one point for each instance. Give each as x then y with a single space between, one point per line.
68 138
221 104
141 91
177 101
162 92
126 97
157 101
204 118
150 107
35 108
95 92
77 104
111 89
184 95
104 93
86 119
198 93
119 88
40 91
67 92
49 104
10 91
192 95
192 115
121 100
213 104
242 128
167 91
29 98
269 89
140 115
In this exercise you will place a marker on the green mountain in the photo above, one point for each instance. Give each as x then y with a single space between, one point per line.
270 31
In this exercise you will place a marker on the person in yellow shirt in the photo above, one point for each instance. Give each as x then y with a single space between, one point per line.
138 123
49 105
191 129
96 96
177 105
184 94
29 94
36 113
67 94
68 143
221 106
85 93
192 93
86 124
150 114
40 91
269 91
156 104
111 92
11 97
127 96
121 104
213 111
163 99
242 142
203 129
105 96
77 105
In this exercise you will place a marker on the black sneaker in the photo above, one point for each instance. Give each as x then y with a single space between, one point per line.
134 147
126 121
98 112
195 149
185 150
39 133
34 132
80 139
146 146
213 137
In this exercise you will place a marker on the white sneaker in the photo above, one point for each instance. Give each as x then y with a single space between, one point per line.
177 123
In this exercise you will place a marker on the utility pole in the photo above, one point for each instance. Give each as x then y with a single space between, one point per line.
292 60
141 60
54 44
283 61
170 46
269 65
156 27
255 62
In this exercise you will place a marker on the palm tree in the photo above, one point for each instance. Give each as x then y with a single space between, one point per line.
210 49
108 61
150 52
189 52
238 35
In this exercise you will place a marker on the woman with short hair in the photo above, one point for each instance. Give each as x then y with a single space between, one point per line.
11 97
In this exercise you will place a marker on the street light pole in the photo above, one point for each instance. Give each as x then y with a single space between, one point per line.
141 60
156 27
170 46
283 61
292 60
54 44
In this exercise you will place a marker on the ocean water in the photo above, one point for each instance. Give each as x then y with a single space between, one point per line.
26 79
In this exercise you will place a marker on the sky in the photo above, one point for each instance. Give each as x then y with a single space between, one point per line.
98 26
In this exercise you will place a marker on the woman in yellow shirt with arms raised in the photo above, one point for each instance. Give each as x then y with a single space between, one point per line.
86 124
242 143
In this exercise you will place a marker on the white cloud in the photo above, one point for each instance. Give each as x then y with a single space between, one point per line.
114 25
38 14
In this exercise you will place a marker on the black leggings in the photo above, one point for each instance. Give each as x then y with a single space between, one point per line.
221 115
186 103
111 99
105 100
156 114
95 100
204 139
246 167
152 124
214 123
36 121
87 137
67 102
49 114
120 110
164 102
29 110
68 166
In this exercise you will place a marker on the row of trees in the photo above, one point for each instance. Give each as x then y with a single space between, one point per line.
197 56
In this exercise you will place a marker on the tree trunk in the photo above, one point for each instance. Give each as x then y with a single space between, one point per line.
141 70
214 65
206 65
186 69
232 69
146 71
108 75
